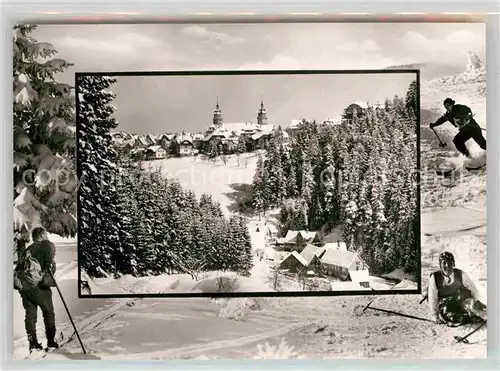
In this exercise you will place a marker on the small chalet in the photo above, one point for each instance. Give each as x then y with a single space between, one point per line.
155 152
297 240
197 140
294 127
166 141
338 263
357 109
184 145
271 231
293 262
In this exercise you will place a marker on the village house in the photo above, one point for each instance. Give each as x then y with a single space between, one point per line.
155 152
293 128
297 240
293 262
357 109
271 231
184 145
197 140
167 142
338 263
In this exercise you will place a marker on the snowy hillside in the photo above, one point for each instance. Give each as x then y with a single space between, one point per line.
430 70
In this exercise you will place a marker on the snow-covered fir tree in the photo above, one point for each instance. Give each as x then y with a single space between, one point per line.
99 221
45 183
369 189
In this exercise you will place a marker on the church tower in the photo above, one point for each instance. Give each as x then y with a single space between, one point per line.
217 121
262 115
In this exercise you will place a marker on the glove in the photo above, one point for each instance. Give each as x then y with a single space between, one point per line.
439 321
432 125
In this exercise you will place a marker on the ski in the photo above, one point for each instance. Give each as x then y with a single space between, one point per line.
475 168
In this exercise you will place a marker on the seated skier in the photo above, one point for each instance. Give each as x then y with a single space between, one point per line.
461 117
453 298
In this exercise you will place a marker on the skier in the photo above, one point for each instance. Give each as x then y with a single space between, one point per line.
40 295
461 117
453 298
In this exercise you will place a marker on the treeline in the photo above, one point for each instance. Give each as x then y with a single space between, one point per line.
359 175
134 220
165 229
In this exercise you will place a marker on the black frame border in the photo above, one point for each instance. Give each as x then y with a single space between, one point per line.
364 293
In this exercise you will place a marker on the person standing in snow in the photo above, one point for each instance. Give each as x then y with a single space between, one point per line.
453 298
43 251
462 118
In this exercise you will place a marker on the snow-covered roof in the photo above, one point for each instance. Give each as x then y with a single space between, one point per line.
197 136
360 276
151 137
332 121
294 124
363 105
298 257
310 251
155 148
335 246
291 236
338 257
137 150
184 138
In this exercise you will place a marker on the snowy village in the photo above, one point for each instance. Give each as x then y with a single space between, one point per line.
284 217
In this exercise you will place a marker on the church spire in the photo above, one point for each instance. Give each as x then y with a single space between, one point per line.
217 120
262 115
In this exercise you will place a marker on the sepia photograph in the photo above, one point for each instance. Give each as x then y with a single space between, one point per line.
271 212
309 189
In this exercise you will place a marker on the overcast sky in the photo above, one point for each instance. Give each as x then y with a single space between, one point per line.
96 48
176 103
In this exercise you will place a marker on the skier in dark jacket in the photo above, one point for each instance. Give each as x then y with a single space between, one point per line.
40 296
453 298
461 117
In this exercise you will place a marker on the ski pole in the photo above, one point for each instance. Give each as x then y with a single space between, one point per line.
67 311
423 299
441 143
396 313
464 338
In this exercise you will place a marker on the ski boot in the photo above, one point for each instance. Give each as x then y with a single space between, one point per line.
34 345
51 343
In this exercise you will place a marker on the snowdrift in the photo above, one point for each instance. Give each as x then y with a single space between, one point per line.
212 282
